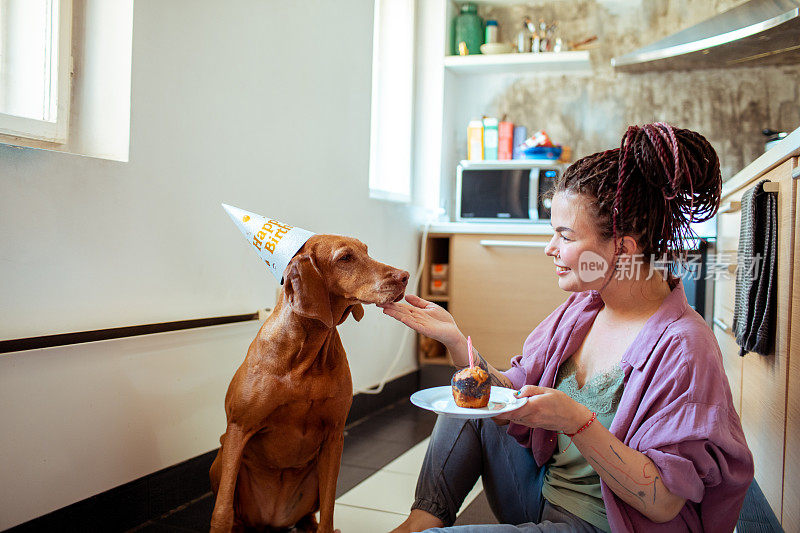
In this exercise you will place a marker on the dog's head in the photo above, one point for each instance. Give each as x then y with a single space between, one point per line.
331 272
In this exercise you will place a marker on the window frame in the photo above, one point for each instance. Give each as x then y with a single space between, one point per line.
379 188
45 130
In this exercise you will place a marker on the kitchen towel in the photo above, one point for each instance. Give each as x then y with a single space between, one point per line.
757 274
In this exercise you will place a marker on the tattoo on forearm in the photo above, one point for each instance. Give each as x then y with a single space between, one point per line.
615 453
639 496
495 379
651 480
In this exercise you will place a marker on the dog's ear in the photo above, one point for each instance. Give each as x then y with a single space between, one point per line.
358 312
356 309
306 291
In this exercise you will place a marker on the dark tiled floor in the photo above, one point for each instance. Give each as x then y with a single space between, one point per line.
375 441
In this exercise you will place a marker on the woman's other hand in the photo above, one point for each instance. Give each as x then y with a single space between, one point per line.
548 409
427 318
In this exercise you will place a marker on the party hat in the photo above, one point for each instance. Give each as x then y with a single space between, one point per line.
275 243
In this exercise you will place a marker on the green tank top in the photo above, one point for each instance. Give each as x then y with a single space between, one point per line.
570 481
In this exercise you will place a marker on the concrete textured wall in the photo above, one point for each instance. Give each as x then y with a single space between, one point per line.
729 106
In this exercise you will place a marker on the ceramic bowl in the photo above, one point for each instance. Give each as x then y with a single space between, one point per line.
496 48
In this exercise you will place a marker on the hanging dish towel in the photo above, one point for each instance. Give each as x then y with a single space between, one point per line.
757 274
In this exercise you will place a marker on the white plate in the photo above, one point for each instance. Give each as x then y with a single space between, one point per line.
440 400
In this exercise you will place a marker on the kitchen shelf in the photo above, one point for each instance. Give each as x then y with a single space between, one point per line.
435 298
519 63
444 361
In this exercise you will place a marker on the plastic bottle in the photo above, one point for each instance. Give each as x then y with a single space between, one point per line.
475 140
491 31
467 29
490 138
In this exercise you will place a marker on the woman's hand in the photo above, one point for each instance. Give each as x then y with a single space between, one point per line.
427 318
548 409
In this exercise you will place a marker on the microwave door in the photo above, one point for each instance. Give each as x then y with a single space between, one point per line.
494 194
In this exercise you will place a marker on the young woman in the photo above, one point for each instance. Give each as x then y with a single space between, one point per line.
629 423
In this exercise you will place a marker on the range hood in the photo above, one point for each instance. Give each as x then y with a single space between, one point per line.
758 32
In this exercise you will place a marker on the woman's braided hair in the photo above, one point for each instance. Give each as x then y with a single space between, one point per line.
652 187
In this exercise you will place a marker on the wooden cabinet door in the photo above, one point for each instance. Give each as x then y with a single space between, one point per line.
791 474
500 292
764 377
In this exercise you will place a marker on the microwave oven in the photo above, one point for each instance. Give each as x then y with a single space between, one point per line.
504 191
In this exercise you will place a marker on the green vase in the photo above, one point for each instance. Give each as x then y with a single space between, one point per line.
467 28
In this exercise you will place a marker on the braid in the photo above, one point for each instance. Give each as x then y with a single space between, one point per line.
673 175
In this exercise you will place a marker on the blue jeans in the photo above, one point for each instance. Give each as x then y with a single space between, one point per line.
460 451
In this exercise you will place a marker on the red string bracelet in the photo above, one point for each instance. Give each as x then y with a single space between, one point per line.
586 425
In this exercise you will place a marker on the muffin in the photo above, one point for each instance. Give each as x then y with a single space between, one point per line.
471 387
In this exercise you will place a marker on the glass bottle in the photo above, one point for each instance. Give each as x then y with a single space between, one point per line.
467 29
524 39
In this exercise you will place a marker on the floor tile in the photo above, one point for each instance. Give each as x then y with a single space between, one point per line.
159 527
477 512
195 515
383 491
351 519
350 476
411 461
408 429
369 453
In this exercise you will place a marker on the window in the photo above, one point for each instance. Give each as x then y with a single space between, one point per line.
35 68
392 100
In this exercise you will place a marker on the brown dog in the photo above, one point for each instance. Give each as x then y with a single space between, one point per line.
287 403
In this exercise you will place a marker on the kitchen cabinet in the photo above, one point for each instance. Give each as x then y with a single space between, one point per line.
791 485
760 383
500 287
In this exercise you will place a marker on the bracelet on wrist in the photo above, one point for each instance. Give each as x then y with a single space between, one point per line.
586 425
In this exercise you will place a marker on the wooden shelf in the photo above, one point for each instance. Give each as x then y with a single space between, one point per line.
435 298
444 361
519 63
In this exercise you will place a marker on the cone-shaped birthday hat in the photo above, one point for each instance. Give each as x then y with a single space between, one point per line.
275 242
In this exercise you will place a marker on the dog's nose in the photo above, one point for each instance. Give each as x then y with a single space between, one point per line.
401 276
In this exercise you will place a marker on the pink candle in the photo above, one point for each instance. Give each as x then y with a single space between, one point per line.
469 350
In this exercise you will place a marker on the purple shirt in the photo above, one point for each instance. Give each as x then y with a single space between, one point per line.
676 408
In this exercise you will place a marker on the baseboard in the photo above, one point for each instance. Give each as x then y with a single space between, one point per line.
146 498
394 390
126 506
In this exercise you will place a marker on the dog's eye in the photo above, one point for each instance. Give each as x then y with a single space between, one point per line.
345 257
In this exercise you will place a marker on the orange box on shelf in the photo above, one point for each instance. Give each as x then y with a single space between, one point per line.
438 286
431 349
439 270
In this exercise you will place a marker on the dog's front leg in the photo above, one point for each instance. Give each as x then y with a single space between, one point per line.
328 470
231 460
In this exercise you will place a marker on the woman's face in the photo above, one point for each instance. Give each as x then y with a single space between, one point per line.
582 257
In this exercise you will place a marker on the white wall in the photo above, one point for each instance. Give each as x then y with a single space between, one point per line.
260 104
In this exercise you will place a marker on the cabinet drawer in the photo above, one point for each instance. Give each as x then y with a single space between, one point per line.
499 294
